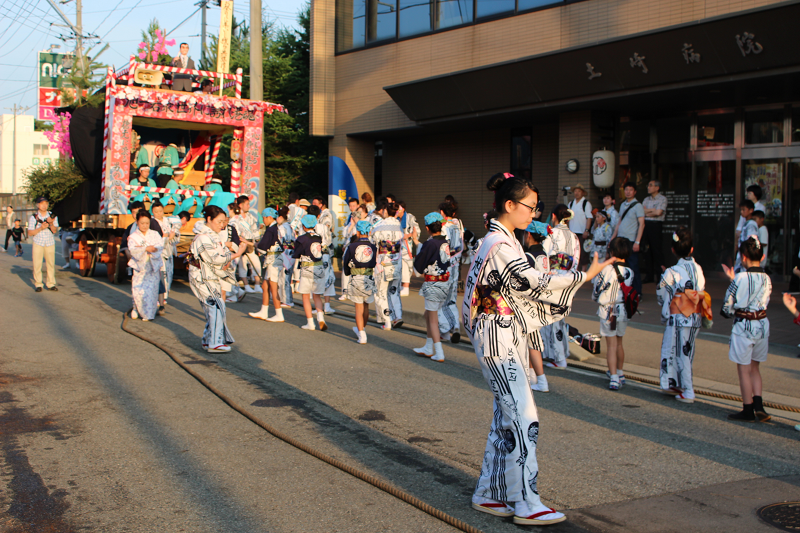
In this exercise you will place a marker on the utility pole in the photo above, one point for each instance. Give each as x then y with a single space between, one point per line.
79 36
203 6
16 111
257 81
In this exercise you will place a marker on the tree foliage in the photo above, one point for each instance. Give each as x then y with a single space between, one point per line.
84 81
55 181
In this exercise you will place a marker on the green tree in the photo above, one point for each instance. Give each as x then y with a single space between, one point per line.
84 81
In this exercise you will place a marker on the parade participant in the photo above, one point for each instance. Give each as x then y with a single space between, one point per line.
183 82
208 265
607 293
145 246
42 225
433 262
231 235
349 233
17 234
272 267
366 199
453 230
535 235
207 86
325 230
387 235
763 236
296 212
246 225
144 180
166 164
505 300
359 261
215 185
287 242
410 241
601 234
746 301
170 237
310 272
686 280
754 194
611 211
374 217
749 229
564 254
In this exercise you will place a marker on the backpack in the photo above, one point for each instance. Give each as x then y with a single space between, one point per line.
630 296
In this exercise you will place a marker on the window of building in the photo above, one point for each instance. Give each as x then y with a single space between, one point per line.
523 5
416 16
521 152
351 24
763 127
796 124
487 8
381 20
453 13
41 149
715 130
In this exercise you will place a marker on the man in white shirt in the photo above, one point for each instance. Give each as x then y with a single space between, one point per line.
41 228
582 220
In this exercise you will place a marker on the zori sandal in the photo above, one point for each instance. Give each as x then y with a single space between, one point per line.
544 518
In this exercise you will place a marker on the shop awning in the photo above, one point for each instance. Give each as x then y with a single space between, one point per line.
752 44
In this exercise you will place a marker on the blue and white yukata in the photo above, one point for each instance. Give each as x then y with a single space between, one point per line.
453 230
748 292
538 260
205 274
750 229
601 235
286 234
506 300
146 271
358 262
608 294
564 253
168 224
309 270
433 262
324 229
387 236
677 347
410 228
247 227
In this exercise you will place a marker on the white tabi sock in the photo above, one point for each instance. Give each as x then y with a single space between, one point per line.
427 349
278 316
320 316
438 353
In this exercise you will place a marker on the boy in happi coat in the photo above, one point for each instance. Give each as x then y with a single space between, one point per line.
310 272
271 252
359 261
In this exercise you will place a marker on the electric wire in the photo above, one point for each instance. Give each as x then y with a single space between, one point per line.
344 467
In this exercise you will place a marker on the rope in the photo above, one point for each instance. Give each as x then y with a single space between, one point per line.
375 482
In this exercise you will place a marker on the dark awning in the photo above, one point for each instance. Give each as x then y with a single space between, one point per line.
751 44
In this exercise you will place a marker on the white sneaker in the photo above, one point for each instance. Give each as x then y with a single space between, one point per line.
387 327
262 315
222 348
358 333
258 289
249 289
446 337
329 310
552 364
426 350
405 291
439 358
134 314
362 339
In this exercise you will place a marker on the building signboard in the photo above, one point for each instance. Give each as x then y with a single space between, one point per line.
51 80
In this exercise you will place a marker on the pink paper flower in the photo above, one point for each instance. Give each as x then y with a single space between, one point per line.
142 55
155 57
171 42
143 45
158 33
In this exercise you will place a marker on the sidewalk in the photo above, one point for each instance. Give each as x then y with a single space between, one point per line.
712 369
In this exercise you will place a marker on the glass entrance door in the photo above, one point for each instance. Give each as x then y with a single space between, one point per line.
768 175
715 214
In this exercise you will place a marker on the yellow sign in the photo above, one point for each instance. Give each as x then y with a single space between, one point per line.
224 41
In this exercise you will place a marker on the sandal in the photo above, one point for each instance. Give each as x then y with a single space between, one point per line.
539 519
681 398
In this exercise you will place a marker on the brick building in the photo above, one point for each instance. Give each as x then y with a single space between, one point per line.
422 98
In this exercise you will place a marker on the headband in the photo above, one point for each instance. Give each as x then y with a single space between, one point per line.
309 221
433 217
269 212
363 227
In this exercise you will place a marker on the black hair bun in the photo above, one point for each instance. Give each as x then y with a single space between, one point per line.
496 181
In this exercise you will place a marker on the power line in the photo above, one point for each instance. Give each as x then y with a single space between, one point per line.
105 19
120 20
143 5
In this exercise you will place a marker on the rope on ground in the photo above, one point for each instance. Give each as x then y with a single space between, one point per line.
375 482
712 394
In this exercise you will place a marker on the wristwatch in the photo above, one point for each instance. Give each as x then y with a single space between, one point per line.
635 242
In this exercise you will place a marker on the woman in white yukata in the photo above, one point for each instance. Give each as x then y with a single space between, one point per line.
210 259
505 300
145 246
677 347
171 228
564 253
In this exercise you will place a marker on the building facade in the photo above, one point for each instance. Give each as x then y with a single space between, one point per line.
20 149
423 98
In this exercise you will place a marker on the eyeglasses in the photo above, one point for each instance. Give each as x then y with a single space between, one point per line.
533 209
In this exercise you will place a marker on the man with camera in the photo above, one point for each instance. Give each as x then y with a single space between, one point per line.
41 228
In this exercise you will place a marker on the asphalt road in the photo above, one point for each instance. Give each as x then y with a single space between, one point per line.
103 432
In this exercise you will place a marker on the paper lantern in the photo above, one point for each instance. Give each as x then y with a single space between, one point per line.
603 168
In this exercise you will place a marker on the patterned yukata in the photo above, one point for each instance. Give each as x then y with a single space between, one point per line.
168 254
406 251
564 252
606 292
358 262
677 347
749 292
146 271
205 276
387 236
613 216
453 230
324 229
750 229
600 238
433 262
308 269
247 227
287 242
538 260
349 233
506 300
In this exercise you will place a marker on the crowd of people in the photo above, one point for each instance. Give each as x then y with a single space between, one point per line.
523 275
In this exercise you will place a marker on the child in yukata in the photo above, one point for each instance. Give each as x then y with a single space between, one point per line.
749 229
763 236
310 272
271 251
536 236
677 348
601 234
433 262
746 301
613 318
358 261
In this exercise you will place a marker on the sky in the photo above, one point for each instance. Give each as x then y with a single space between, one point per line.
30 26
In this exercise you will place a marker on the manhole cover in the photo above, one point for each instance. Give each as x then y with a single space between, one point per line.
784 515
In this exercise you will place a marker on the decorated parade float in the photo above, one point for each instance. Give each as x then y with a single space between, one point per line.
178 134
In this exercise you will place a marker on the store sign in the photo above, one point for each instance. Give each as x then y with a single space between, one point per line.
52 77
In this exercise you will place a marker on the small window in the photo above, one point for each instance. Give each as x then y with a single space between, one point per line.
381 20
416 17
532 4
715 130
453 12
796 125
763 127
487 8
